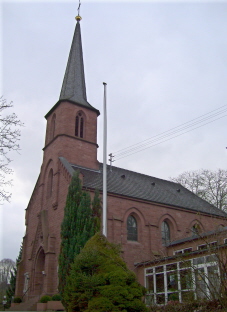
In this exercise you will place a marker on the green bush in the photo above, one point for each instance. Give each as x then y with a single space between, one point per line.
56 297
45 299
100 281
17 300
195 305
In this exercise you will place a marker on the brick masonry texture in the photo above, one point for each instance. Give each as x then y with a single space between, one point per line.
45 210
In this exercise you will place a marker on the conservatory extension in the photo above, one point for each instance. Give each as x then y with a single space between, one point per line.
182 280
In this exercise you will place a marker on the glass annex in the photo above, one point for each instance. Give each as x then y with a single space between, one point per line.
183 280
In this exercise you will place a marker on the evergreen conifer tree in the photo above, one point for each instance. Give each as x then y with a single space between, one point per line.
78 226
100 281
96 208
12 283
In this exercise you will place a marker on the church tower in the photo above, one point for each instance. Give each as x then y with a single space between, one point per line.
72 122
71 137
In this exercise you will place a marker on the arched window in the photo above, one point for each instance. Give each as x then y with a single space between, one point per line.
79 127
132 229
195 229
165 233
52 127
50 183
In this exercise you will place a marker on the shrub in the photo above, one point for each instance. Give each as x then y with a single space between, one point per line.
100 281
196 305
56 297
45 299
17 300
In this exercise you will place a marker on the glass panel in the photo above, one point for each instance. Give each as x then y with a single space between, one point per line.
172 266
165 233
159 269
81 127
187 296
160 299
150 283
195 229
202 247
200 283
185 264
131 228
77 126
173 296
211 258
198 260
213 281
187 250
160 282
149 271
186 279
149 300
172 281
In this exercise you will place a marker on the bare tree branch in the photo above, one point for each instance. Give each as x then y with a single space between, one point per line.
9 138
207 184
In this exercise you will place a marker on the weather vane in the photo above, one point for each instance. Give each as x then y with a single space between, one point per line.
78 17
78 10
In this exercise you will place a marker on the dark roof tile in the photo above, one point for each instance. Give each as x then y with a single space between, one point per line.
139 186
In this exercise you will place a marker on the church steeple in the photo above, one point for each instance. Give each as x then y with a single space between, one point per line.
72 122
73 87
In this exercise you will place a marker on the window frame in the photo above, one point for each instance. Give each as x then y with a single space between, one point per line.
132 229
190 266
165 232
79 125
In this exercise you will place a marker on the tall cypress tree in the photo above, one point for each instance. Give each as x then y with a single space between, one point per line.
96 209
78 226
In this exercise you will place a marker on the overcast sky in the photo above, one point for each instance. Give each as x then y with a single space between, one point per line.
165 63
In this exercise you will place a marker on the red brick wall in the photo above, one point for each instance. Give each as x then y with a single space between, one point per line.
44 213
149 217
76 150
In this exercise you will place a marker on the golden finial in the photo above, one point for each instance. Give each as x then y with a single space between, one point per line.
78 17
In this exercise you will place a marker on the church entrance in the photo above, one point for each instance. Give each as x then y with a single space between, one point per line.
39 272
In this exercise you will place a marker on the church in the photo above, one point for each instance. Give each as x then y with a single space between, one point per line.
151 218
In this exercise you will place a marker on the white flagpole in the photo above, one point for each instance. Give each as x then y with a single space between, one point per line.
104 198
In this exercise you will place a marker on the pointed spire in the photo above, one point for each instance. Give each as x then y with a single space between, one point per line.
73 87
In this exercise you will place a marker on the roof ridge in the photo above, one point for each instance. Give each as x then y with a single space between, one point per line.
143 174
85 168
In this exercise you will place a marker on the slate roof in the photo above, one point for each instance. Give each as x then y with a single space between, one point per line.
74 87
202 235
143 187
